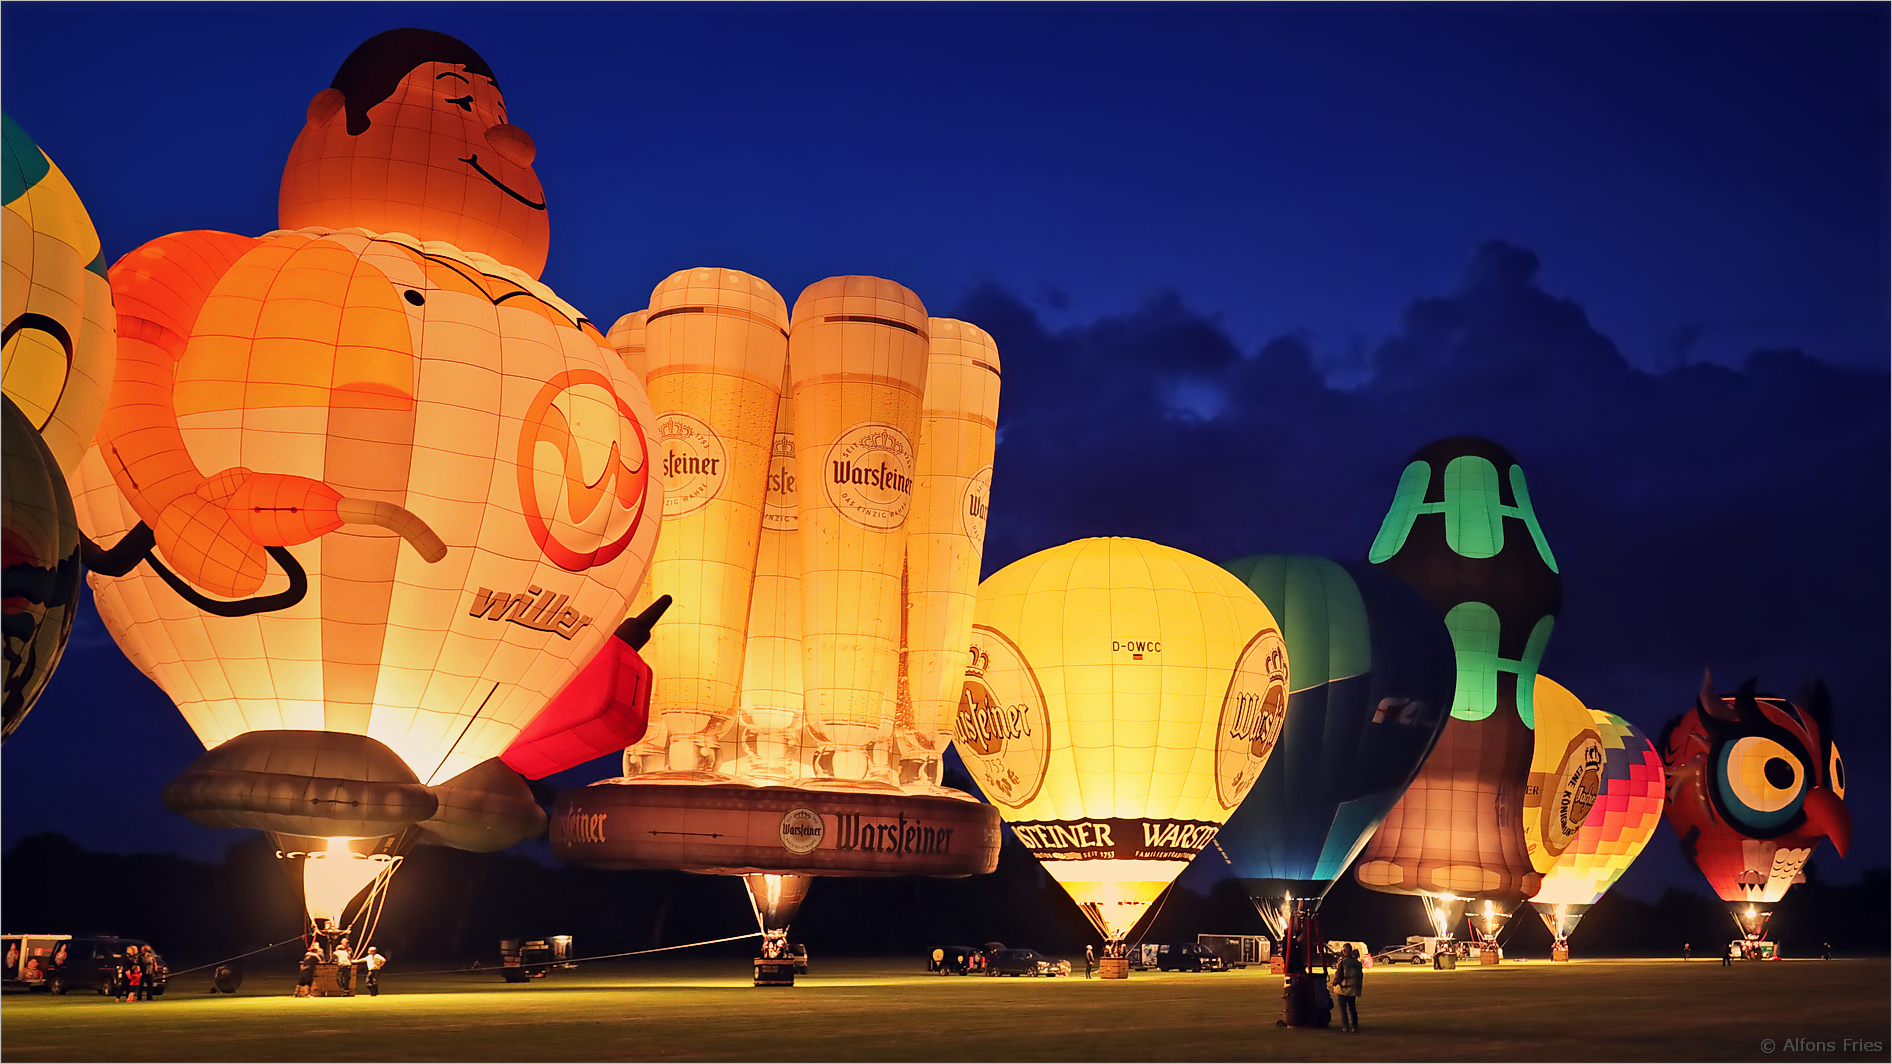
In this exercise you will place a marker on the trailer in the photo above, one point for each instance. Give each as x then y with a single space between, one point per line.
30 959
1238 951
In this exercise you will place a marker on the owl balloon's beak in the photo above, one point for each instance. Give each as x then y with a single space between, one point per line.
1827 815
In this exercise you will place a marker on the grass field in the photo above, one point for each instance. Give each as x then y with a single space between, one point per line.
886 1010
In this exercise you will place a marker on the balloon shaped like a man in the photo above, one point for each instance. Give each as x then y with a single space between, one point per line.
367 495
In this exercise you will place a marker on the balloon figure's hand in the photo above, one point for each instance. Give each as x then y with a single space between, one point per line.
281 510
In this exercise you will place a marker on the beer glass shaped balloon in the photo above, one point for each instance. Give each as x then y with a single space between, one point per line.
858 353
770 745
629 338
368 494
741 778
1621 820
1122 699
1371 686
1462 532
945 542
716 344
60 331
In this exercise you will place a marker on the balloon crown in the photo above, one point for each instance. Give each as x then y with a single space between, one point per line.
980 662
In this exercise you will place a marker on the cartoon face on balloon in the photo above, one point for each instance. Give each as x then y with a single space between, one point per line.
412 137
1755 782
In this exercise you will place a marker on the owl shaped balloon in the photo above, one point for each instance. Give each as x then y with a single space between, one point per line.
1754 783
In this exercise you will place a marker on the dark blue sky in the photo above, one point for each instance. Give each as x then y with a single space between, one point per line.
1234 257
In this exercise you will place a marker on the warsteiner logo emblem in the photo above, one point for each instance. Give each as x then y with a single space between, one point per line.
868 476
1253 711
1002 727
691 461
802 830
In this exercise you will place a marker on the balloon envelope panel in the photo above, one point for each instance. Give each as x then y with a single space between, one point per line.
1371 677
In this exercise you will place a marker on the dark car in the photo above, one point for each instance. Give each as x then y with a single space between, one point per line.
1192 957
90 963
1024 962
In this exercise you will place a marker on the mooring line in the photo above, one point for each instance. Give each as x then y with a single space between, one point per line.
575 960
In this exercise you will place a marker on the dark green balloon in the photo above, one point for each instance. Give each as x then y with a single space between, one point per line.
1370 675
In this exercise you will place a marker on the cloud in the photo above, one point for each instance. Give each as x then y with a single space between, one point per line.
1704 516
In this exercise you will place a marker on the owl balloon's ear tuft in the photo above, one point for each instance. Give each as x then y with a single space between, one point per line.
1816 703
1711 703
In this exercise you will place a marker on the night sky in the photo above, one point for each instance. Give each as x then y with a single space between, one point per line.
1241 261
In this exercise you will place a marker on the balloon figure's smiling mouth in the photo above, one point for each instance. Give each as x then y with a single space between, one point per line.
474 161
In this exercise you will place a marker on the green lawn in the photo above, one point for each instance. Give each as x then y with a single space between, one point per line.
885 1010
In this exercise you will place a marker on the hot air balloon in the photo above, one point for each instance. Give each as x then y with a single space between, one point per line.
1462 532
1754 783
367 494
39 533
745 778
1622 818
628 339
945 542
858 358
60 330
1122 699
1567 758
1370 689
716 343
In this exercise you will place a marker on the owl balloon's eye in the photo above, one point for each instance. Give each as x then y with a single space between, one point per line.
1836 773
1762 783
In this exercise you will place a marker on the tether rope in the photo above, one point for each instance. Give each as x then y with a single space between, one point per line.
574 960
238 957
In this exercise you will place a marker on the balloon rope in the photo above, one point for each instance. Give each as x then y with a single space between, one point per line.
599 957
376 903
1162 900
238 957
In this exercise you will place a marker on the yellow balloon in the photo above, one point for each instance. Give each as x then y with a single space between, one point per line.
60 330
1566 772
1122 698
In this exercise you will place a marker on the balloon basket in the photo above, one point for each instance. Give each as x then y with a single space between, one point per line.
1113 968
1446 961
1305 1001
775 971
1560 953
1278 965
1487 956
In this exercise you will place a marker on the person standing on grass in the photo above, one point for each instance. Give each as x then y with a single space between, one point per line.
305 979
1348 980
344 968
1090 961
371 962
1684 951
147 971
